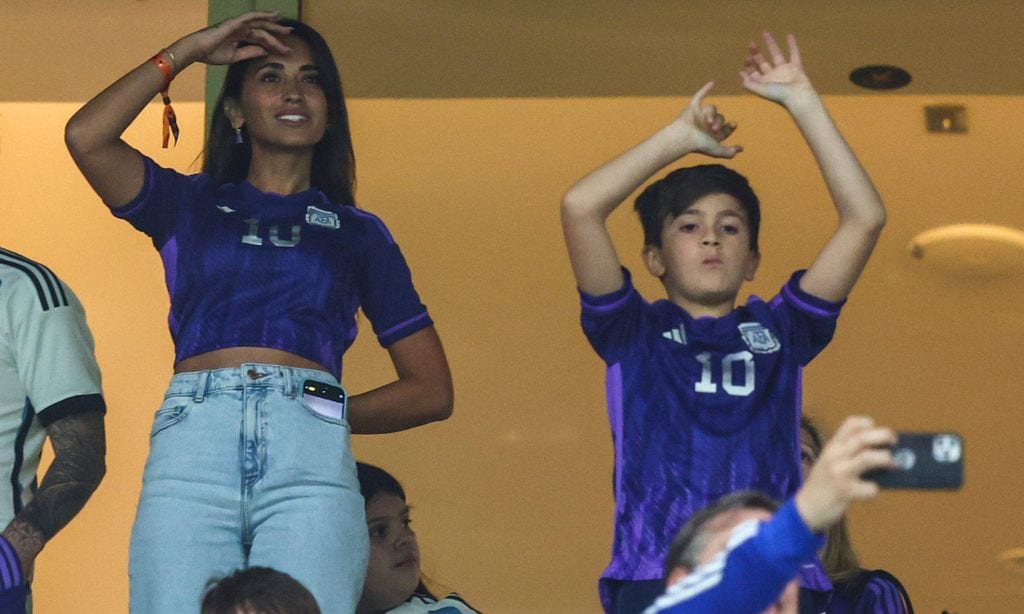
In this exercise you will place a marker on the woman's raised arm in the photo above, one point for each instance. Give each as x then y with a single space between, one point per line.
93 135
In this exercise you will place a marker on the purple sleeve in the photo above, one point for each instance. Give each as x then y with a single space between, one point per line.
612 322
386 291
811 320
759 561
880 597
156 209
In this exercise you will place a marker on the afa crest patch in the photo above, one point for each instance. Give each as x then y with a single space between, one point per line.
759 339
319 217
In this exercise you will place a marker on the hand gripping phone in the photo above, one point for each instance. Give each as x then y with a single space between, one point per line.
325 399
924 461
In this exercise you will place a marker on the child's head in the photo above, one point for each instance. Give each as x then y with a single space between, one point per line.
674 193
700 236
393 572
258 590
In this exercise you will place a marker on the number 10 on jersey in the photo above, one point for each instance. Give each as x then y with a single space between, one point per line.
707 384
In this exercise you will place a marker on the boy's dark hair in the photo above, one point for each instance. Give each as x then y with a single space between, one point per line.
691 540
258 589
334 161
668 197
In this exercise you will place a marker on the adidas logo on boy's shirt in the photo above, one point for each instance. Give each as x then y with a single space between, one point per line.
676 334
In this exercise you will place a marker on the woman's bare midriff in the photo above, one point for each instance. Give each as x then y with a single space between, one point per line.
227 358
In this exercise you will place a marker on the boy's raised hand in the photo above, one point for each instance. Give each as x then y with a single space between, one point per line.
773 77
702 127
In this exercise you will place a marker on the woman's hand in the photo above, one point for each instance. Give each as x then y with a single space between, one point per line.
701 128
241 38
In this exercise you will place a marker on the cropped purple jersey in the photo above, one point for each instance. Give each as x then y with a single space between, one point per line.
249 268
699 407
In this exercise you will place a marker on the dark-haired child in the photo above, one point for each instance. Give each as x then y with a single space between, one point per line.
394 583
704 396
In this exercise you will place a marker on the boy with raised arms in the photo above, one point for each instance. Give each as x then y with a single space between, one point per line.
704 396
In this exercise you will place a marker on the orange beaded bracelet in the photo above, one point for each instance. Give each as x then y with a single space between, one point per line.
170 119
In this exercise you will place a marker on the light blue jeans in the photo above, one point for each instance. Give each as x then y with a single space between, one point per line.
243 473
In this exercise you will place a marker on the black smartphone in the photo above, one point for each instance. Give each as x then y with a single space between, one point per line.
924 461
325 399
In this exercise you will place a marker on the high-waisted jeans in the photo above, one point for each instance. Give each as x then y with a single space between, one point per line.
243 473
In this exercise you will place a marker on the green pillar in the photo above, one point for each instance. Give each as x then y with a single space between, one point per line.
225 9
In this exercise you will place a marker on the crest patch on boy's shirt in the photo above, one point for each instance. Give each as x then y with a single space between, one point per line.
759 339
319 217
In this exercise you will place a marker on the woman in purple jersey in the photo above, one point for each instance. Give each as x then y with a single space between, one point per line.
267 260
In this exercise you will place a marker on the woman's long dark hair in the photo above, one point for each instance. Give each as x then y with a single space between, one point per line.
334 161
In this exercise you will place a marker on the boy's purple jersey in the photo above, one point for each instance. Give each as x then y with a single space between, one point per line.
699 407
249 268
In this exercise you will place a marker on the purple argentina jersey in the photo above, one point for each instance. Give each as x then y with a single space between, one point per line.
871 592
699 407
248 268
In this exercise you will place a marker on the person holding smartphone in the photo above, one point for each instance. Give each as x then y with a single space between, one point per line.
742 553
267 260
854 589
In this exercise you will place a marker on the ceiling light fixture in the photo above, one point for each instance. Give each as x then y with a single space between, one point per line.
984 250
880 77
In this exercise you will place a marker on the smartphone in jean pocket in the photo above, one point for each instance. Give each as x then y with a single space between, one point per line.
924 461
325 399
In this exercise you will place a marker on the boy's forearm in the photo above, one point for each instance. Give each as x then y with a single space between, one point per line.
601 191
588 203
854 195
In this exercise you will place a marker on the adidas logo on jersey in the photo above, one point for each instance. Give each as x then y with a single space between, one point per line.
676 334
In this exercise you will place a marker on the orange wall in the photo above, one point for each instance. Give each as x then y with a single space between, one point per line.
512 496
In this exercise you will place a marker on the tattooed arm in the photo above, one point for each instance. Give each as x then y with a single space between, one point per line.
79 446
